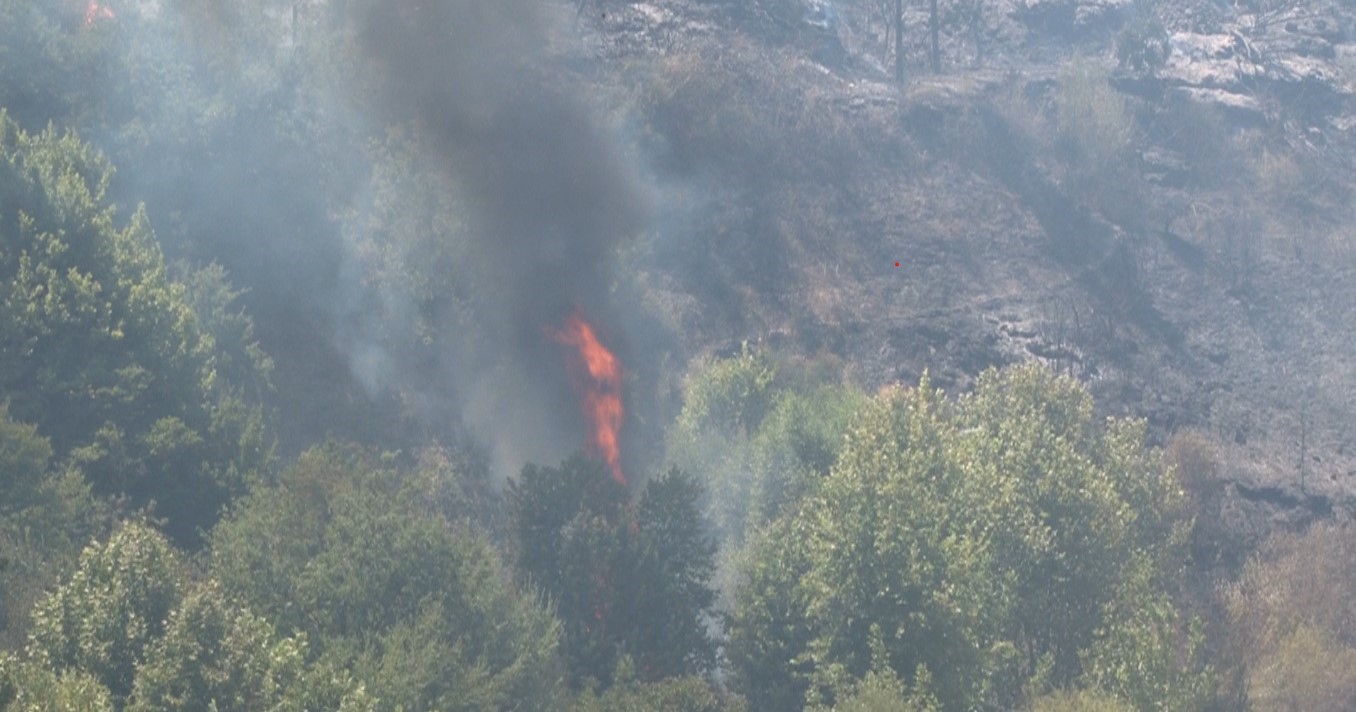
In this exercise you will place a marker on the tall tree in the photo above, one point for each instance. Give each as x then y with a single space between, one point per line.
104 618
621 583
103 352
46 518
679 564
30 685
1000 542
346 550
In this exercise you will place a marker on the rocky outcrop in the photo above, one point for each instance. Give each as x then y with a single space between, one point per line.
1298 58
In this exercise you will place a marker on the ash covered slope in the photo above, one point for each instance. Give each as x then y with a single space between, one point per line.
1154 198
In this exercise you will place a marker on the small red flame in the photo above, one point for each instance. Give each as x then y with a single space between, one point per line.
600 389
96 11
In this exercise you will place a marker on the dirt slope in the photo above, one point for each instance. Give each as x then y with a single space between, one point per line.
1202 279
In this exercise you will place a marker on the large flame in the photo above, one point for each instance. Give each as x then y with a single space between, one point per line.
599 384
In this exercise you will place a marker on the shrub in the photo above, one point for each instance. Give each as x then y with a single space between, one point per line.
1290 616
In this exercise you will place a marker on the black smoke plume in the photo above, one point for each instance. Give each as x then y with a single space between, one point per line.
550 195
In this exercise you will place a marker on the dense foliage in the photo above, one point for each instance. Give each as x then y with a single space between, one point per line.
996 544
105 354
625 579
343 551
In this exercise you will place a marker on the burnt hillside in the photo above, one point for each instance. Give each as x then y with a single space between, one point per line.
1153 197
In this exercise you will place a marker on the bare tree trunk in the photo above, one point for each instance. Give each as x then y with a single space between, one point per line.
936 51
899 41
977 30
1304 445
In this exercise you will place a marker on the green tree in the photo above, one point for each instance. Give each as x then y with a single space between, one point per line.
760 435
102 351
27 686
120 634
679 694
896 538
51 68
45 519
678 565
1077 508
768 627
115 605
997 540
24 456
620 583
1142 657
1096 139
882 690
342 550
40 545
1090 700
215 655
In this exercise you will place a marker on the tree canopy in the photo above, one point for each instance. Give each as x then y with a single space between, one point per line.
997 541
624 579
342 551
105 354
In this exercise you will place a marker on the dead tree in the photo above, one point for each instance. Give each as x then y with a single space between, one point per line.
936 49
899 42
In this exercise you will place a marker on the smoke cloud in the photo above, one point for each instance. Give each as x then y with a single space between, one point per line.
549 196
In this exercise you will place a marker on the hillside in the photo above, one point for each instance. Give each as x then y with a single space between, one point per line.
1178 237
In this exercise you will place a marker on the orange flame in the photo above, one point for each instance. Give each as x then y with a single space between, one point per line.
600 390
95 11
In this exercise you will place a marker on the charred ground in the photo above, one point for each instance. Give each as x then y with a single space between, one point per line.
1174 230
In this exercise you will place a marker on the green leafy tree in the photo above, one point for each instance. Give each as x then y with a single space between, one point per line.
45 519
1076 507
215 655
120 634
41 543
1141 656
27 686
760 435
621 583
678 694
997 540
1089 700
52 67
102 351
342 550
896 539
882 690
1096 139
678 565
768 627
24 456
111 610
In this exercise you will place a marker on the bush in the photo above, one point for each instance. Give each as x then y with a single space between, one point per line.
1291 620
1143 47
1096 132
1091 700
1193 458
